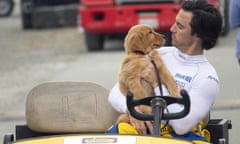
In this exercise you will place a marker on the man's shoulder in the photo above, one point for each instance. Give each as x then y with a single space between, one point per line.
166 49
208 71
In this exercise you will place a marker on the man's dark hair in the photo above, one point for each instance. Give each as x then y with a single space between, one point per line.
206 21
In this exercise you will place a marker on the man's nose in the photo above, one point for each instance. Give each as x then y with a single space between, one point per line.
172 28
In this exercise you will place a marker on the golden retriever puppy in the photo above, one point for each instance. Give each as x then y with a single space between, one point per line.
140 44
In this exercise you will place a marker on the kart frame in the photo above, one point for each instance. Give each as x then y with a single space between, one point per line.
219 128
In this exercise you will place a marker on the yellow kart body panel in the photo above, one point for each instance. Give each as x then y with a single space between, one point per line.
101 139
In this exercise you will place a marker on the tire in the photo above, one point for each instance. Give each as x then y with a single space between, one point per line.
6 7
94 41
26 14
8 139
224 9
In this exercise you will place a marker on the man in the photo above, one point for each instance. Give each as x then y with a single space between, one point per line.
234 21
197 27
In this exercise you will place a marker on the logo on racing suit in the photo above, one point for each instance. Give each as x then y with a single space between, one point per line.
183 77
181 80
213 78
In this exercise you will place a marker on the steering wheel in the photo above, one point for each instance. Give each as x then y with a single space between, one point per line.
161 102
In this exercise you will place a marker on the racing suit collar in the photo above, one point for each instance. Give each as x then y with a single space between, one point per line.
189 59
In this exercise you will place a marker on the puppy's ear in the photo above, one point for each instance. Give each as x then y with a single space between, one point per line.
133 42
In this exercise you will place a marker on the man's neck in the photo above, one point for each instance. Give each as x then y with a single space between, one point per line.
194 49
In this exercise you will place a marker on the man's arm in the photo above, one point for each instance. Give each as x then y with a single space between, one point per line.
117 99
118 102
202 97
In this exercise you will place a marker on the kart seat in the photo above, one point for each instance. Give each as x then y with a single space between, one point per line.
69 107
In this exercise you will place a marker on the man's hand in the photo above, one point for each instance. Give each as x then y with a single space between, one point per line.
141 126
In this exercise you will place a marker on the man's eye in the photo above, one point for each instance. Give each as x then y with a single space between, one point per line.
179 26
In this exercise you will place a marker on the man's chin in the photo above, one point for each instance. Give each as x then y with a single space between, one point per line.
173 43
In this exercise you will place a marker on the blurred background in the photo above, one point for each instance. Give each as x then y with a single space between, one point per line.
71 40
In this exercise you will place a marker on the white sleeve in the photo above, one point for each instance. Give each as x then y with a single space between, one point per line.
202 96
117 99
164 91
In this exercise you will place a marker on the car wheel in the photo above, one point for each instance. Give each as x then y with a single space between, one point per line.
8 138
224 9
94 41
6 7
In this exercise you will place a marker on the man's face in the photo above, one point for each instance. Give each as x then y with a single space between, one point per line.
181 31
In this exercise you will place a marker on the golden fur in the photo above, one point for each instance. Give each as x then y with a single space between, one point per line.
140 44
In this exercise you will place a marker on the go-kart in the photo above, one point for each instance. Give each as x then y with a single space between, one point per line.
79 113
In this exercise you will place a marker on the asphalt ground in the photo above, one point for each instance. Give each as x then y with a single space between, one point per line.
28 58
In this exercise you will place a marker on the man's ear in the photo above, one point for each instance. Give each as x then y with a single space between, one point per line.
196 37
